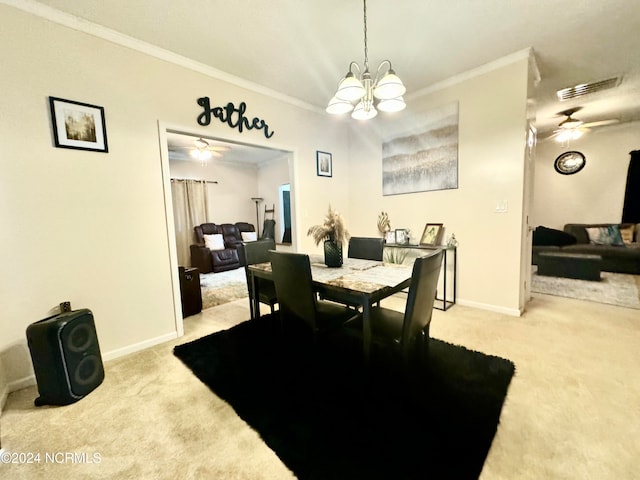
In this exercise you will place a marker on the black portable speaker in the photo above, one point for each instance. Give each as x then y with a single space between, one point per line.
66 357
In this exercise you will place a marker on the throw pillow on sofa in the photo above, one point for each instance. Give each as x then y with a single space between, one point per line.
249 236
544 236
626 232
609 235
214 241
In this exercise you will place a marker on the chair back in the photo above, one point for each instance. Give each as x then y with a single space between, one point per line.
294 288
205 229
422 294
251 253
366 248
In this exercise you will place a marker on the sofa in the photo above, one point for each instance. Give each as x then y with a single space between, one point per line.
617 243
216 245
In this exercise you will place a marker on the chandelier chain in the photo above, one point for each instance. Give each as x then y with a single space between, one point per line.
366 49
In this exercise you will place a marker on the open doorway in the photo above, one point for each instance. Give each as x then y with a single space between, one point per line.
235 173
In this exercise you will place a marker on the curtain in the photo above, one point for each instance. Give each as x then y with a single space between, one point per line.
190 208
631 208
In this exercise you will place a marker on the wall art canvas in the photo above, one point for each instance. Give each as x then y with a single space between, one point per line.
425 158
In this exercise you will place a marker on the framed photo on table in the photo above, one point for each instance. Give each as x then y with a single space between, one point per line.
323 164
402 236
432 234
390 237
78 125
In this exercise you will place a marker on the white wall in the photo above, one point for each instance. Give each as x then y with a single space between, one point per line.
596 193
230 198
492 128
90 227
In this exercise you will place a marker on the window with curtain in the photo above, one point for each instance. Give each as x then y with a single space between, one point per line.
190 208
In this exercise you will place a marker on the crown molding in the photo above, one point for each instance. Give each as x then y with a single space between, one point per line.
525 54
76 23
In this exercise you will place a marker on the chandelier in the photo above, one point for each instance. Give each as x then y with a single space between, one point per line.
363 91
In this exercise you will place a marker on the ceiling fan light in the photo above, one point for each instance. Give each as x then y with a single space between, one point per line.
390 86
568 135
337 106
392 105
362 113
350 88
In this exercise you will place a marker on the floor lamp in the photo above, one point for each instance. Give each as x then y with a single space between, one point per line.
257 200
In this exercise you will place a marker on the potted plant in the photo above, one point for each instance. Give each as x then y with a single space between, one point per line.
333 233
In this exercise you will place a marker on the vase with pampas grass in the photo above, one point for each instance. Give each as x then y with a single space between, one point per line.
333 233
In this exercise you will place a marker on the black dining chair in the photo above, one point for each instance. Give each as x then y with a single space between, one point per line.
251 253
366 248
408 332
297 299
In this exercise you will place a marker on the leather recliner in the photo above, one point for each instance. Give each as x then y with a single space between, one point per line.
218 260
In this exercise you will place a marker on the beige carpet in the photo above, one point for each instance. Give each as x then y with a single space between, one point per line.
571 411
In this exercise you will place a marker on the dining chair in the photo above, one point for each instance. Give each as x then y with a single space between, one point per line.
297 299
408 332
251 253
365 248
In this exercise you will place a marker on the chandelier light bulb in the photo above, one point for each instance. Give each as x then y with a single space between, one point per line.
338 107
392 105
362 113
350 88
390 86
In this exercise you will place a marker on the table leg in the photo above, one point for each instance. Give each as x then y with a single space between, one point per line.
366 330
255 300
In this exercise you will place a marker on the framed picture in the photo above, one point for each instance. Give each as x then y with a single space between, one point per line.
432 234
390 237
323 164
402 236
78 125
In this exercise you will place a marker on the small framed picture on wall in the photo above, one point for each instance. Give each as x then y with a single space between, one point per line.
323 164
78 125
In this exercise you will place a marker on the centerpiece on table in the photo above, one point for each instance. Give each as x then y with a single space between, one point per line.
333 233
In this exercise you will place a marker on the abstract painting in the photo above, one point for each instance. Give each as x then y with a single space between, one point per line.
424 159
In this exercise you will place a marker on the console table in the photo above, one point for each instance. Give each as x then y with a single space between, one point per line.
449 265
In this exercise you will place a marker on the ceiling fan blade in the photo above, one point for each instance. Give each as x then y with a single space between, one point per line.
601 123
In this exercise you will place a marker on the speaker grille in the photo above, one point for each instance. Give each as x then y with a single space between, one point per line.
66 357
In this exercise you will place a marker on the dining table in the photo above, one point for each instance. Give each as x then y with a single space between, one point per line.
360 282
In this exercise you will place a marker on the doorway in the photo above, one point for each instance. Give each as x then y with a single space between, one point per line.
243 171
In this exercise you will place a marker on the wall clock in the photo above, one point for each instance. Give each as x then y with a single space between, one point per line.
569 163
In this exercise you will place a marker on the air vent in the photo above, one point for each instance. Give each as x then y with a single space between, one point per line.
587 88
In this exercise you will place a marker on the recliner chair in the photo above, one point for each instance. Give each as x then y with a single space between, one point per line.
223 259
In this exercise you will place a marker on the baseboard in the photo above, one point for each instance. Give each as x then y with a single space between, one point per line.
136 347
514 312
21 383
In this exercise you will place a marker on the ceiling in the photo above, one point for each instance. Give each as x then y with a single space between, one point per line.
180 146
302 49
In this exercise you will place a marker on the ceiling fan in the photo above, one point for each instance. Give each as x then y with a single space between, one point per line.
572 128
202 150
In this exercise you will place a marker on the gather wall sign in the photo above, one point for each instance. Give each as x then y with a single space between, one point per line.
232 116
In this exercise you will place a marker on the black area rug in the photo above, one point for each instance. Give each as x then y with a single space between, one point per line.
328 417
